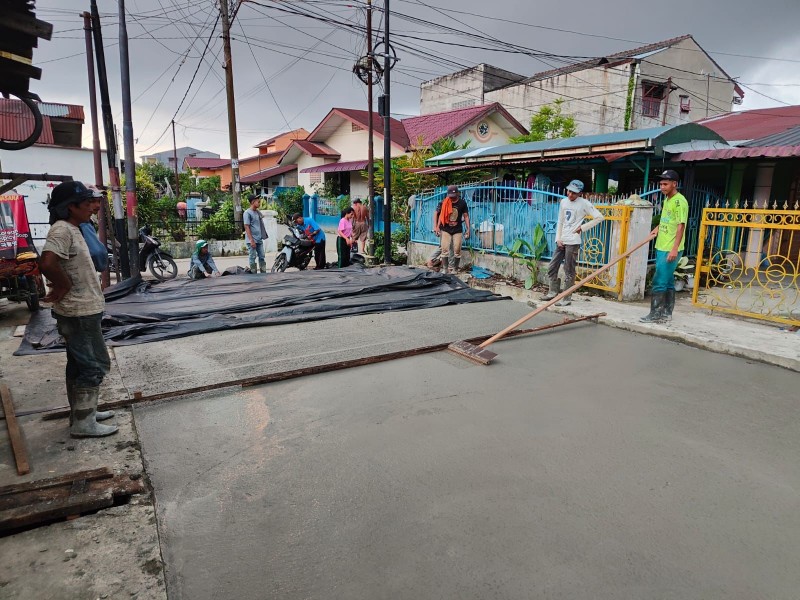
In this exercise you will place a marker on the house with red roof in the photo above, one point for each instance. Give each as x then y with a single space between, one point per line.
669 82
338 147
58 150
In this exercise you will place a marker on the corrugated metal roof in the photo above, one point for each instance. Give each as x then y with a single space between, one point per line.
353 165
790 137
17 127
197 162
497 163
625 55
586 144
267 173
734 153
754 124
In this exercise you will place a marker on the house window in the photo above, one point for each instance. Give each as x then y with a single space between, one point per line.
652 95
686 104
316 178
354 127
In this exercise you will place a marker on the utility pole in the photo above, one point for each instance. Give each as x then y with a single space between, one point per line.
175 160
371 140
127 140
102 225
234 143
387 145
111 143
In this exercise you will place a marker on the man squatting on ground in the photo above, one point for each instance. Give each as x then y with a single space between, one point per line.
78 305
450 217
571 214
202 264
669 248
255 234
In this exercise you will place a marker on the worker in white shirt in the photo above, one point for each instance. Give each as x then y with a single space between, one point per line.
572 213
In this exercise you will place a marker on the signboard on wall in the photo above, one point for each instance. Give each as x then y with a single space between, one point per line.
15 233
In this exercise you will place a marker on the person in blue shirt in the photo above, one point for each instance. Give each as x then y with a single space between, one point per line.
202 264
313 231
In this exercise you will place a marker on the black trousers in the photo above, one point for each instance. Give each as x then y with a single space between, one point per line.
319 255
343 250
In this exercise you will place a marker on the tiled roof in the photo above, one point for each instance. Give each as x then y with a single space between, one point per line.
361 118
267 173
301 134
195 162
316 149
430 128
754 124
353 165
627 54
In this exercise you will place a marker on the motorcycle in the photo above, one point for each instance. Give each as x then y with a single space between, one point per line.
160 263
297 250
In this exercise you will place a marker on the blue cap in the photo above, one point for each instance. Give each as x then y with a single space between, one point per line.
576 185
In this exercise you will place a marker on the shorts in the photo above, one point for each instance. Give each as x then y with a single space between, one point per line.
360 229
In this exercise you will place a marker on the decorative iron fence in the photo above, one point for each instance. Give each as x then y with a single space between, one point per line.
500 214
748 262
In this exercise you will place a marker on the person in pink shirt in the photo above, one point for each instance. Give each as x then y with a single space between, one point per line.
344 237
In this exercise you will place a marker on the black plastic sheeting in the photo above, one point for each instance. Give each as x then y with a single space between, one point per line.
138 312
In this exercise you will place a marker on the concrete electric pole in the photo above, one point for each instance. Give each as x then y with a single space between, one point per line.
234 143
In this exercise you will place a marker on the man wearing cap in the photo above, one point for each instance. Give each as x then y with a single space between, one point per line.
669 248
78 304
255 234
202 264
572 212
450 217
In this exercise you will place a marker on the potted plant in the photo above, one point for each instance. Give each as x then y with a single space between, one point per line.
684 274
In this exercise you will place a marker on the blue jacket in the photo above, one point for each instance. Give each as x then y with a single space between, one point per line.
309 222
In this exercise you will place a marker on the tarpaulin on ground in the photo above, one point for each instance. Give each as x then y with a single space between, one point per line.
139 312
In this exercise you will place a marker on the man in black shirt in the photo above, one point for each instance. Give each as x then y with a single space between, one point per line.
451 216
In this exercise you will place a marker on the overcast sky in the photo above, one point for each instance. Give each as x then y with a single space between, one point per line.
290 70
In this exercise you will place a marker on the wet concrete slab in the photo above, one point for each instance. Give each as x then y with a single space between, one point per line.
229 355
587 463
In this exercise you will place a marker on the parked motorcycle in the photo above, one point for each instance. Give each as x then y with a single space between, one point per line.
160 263
297 250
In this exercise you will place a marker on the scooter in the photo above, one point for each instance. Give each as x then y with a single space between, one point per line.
297 251
160 263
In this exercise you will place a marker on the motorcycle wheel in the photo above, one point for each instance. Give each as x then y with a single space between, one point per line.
279 266
33 294
304 264
162 267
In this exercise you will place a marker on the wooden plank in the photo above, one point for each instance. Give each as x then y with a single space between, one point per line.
27 23
25 516
88 475
19 331
283 376
14 432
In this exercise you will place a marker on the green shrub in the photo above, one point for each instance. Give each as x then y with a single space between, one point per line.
220 225
289 202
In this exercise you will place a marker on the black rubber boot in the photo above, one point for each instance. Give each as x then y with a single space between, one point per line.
669 304
657 301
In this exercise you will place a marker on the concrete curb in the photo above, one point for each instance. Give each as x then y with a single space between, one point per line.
690 326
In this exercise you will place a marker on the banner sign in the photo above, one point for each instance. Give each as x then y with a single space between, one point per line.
16 241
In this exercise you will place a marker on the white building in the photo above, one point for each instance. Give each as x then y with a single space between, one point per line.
665 83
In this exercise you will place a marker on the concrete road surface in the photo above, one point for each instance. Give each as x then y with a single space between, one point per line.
590 464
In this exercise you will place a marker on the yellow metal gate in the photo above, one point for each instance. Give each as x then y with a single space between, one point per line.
748 263
603 244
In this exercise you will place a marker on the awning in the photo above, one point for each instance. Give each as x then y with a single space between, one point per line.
267 173
607 158
735 153
337 167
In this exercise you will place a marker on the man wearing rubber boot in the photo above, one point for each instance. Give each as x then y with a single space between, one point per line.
450 218
78 305
669 248
572 212
255 234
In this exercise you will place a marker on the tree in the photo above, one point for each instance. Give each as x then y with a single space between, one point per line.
549 123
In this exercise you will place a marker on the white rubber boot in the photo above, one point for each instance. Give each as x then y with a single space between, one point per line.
84 415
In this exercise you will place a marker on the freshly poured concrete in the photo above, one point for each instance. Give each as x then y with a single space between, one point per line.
230 355
587 463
